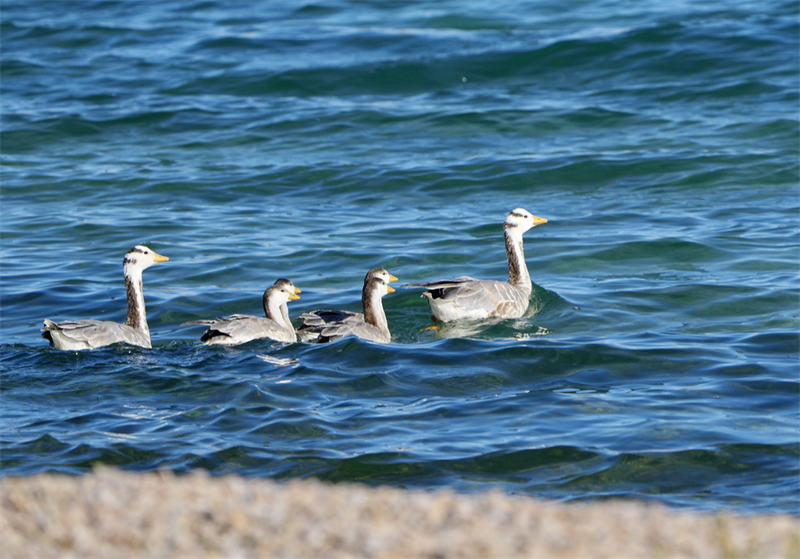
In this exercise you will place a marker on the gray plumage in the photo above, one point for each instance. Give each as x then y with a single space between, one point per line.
325 326
92 334
242 328
465 297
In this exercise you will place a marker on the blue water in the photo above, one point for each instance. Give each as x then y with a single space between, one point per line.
314 140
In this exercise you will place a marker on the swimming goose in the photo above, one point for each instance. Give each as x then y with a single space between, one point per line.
470 298
241 328
326 326
92 334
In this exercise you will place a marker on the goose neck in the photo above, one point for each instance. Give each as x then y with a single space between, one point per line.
137 315
517 268
286 321
272 308
373 309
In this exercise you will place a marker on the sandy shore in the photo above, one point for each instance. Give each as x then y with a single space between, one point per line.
122 515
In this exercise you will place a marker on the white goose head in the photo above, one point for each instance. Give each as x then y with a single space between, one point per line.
282 291
381 274
377 282
140 258
520 220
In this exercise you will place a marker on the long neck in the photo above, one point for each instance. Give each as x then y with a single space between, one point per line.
137 316
517 269
272 308
277 311
285 321
373 309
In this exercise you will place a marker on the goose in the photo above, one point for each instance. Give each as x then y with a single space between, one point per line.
469 298
242 328
326 326
92 334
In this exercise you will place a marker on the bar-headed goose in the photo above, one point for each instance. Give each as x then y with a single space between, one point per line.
326 326
92 334
241 328
469 298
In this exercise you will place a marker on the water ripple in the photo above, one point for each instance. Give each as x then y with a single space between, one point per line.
657 360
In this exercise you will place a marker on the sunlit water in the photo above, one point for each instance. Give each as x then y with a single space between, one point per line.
252 141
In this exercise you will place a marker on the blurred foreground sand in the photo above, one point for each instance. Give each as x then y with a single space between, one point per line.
123 515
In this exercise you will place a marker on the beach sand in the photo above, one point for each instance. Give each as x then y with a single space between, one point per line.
111 513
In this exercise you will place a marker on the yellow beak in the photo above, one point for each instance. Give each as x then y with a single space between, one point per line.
158 258
392 278
294 296
389 289
297 290
538 220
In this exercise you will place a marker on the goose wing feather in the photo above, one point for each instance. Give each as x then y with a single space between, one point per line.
242 328
333 325
466 297
361 330
321 319
91 334
455 282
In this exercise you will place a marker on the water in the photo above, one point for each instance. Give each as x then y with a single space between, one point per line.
315 140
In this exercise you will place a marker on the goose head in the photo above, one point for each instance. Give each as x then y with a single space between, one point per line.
382 274
377 281
520 220
282 291
140 257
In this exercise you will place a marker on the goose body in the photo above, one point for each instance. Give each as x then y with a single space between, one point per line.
242 328
93 334
325 326
469 298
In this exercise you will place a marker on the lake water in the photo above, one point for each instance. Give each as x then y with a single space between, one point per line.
250 141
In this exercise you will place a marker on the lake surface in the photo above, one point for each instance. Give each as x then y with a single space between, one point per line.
314 140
